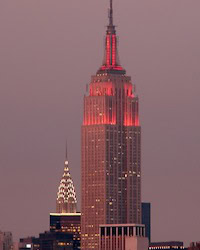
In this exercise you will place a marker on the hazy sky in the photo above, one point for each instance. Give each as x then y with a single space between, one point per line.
48 51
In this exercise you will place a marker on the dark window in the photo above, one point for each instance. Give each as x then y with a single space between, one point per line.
114 231
143 232
120 231
108 231
137 231
125 231
131 231
102 231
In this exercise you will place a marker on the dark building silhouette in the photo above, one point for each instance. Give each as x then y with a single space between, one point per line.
66 223
58 240
146 218
171 245
111 147
194 246
50 241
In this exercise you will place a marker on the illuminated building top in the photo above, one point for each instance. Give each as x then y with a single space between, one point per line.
66 196
111 62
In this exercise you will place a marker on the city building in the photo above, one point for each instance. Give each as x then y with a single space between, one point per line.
111 147
66 197
194 246
50 241
123 237
146 218
64 234
29 243
6 241
171 245
66 219
66 223
58 240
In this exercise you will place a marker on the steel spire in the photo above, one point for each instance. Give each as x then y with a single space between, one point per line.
66 152
111 62
111 13
66 196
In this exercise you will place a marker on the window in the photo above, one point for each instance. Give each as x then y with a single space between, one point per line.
108 231
120 231
125 231
113 230
102 231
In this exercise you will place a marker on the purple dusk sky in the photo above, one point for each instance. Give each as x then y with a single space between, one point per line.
48 51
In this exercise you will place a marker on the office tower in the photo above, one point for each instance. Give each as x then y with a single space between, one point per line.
69 223
66 197
123 237
111 147
146 218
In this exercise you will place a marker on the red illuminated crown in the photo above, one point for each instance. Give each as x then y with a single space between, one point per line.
111 62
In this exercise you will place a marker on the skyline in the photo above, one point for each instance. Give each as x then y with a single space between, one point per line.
146 72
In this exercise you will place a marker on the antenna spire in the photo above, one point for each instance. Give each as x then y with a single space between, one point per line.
66 151
111 62
111 13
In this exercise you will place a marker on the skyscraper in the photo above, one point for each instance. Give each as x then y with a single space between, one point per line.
66 197
146 218
111 147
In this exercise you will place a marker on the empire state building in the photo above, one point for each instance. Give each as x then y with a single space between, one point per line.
111 147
